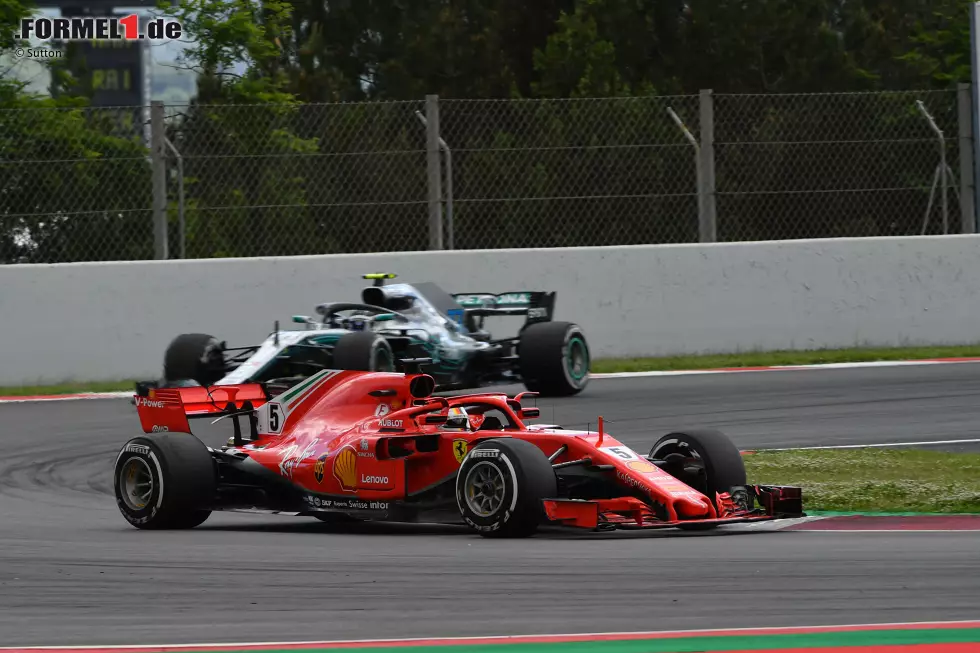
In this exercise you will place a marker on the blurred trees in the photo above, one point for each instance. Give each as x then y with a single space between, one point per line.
74 186
280 176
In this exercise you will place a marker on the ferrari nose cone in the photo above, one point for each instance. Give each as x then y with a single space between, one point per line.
692 507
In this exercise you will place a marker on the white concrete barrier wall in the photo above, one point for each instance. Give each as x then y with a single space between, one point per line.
109 321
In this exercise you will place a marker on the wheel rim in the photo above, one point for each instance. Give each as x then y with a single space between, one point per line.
484 488
692 466
212 364
577 359
136 483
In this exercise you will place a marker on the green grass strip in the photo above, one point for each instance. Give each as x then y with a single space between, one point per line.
715 644
68 388
874 481
873 513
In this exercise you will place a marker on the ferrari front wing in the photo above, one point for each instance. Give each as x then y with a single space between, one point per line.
742 504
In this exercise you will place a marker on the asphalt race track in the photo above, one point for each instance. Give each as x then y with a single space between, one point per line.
73 572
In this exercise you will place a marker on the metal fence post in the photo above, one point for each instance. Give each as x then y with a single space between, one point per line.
975 96
964 105
940 176
158 163
182 227
449 183
708 220
698 169
449 194
434 169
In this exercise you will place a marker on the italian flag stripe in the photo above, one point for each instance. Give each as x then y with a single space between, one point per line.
316 379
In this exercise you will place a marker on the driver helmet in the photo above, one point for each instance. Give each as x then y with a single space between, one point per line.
458 419
357 322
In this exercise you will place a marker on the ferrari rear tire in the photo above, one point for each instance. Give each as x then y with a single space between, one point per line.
554 358
500 487
194 356
164 481
707 460
365 351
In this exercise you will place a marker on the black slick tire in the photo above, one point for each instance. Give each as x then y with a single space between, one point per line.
554 358
707 460
194 356
364 351
164 481
517 475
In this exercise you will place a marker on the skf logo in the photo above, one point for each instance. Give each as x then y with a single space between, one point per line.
345 469
318 468
459 449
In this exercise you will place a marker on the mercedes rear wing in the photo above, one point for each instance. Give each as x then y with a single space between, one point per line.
539 306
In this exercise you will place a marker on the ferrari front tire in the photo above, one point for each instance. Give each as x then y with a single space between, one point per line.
164 481
706 460
500 487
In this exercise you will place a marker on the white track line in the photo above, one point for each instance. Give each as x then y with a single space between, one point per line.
501 638
871 446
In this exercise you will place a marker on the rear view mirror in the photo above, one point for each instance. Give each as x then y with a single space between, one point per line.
530 413
384 317
301 319
435 419
421 386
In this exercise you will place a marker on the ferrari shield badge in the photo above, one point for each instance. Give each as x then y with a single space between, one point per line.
460 448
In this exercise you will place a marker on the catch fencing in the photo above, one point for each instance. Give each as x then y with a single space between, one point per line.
201 181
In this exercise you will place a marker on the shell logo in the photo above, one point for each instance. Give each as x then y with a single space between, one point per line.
641 466
345 468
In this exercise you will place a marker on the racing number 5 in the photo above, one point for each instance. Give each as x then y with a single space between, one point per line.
274 418
625 455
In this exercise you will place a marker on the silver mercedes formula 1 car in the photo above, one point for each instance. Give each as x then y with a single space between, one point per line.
396 322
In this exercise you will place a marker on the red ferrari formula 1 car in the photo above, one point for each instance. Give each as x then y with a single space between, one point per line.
349 445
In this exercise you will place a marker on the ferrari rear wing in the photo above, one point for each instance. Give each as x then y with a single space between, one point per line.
169 409
539 306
